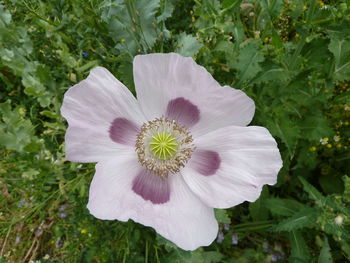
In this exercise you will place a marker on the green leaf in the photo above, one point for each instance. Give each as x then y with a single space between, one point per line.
132 23
283 207
345 247
304 218
168 9
341 51
257 209
230 3
312 191
325 253
271 73
5 16
248 61
287 130
212 257
272 7
299 251
15 131
222 216
316 127
187 45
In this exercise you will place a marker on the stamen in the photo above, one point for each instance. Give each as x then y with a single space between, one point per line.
163 146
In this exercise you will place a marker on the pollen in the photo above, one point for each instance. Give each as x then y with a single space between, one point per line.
163 145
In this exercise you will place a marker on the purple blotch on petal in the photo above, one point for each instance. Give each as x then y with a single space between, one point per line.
206 162
151 187
123 131
183 111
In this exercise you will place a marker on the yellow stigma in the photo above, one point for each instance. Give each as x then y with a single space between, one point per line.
163 145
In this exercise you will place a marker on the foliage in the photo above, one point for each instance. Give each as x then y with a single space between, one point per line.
292 57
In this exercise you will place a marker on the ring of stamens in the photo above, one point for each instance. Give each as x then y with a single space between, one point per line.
163 146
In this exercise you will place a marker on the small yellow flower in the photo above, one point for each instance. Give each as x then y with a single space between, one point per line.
313 149
324 141
305 7
83 231
336 138
329 145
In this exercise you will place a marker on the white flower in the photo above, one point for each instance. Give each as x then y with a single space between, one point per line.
168 158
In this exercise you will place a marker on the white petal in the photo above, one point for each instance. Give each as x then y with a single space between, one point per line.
248 159
184 219
90 107
162 78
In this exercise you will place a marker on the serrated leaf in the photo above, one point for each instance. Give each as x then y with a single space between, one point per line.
312 191
168 9
271 73
287 130
283 207
222 216
325 253
299 251
304 218
131 23
341 51
187 45
15 131
248 61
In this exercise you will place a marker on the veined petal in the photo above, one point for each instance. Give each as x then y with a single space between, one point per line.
183 219
93 109
246 158
172 83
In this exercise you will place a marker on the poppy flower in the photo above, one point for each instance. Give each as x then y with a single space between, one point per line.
169 157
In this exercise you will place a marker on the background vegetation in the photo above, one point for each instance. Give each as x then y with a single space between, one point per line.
292 57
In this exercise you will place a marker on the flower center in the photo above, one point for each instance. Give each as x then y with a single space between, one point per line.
163 146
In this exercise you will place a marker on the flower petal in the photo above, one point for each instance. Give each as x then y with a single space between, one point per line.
91 108
161 79
123 131
151 187
249 158
184 219
205 162
183 111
